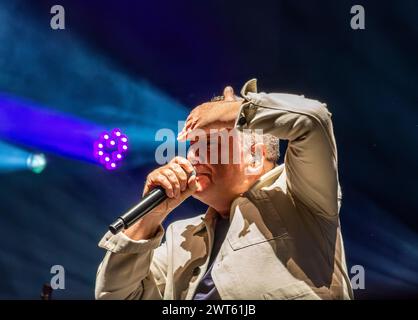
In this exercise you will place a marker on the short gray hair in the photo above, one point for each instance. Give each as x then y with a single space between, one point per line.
270 141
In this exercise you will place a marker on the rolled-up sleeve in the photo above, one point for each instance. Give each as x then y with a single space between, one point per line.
311 156
132 269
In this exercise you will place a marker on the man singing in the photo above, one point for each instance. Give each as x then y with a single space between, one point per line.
270 232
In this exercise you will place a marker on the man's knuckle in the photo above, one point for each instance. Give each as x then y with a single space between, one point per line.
167 172
180 172
161 178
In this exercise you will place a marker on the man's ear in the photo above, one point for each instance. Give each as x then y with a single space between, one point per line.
259 153
258 156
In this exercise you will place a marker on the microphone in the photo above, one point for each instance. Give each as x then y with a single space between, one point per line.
155 197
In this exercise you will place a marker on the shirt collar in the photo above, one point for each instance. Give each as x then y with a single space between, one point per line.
209 219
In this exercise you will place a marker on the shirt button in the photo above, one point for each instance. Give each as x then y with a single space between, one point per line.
196 271
242 121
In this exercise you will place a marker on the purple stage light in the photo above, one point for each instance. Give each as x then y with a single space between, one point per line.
110 144
98 154
123 148
98 146
116 133
110 147
117 156
102 158
111 166
104 136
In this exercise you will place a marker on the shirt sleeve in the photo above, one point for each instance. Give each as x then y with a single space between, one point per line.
311 156
132 269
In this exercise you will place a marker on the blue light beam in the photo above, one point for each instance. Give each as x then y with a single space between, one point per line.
26 123
12 158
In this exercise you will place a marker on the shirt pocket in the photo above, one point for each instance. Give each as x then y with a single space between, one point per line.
298 290
237 243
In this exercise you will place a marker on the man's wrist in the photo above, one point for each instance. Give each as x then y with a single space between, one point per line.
144 229
233 109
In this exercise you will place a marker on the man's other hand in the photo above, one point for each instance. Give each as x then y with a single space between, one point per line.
213 115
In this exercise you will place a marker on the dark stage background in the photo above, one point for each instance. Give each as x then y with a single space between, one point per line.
141 65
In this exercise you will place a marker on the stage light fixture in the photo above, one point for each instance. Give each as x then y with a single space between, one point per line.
36 162
110 147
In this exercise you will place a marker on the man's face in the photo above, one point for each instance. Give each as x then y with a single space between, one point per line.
220 163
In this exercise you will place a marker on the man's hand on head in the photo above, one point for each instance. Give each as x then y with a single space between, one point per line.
213 115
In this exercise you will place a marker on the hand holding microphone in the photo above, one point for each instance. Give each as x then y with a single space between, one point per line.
165 189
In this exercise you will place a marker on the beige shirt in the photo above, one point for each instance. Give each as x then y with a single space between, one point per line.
284 240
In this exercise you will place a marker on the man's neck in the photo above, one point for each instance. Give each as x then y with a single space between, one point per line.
225 210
